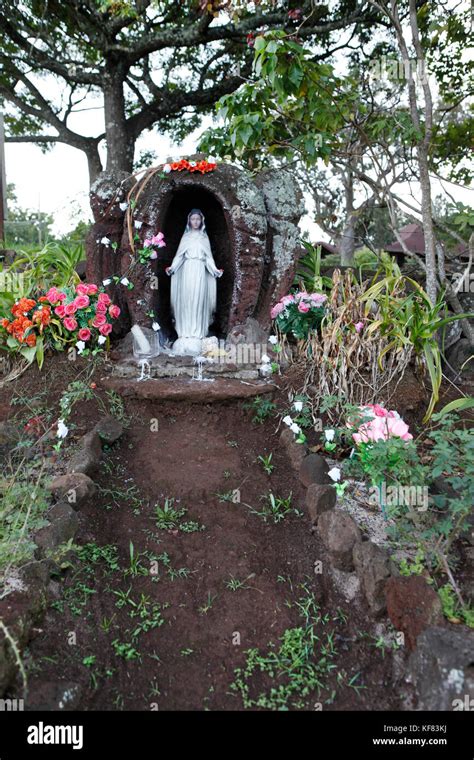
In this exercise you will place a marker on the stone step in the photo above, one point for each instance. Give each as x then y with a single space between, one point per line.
161 367
186 389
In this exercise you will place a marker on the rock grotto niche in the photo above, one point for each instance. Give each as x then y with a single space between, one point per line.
252 227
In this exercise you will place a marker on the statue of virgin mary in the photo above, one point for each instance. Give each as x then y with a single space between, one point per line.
193 286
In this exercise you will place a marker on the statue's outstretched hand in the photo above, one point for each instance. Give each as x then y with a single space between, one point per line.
220 272
168 271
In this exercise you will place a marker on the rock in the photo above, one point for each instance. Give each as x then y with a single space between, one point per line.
319 499
458 357
339 534
9 437
109 429
250 333
64 523
296 454
372 565
287 437
75 488
87 457
20 612
54 695
314 469
442 669
412 606
348 584
185 389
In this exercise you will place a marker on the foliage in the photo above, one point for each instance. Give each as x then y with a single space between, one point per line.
262 408
295 106
293 669
408 320
344 360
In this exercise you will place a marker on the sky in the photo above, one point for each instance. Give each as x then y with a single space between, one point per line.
57 181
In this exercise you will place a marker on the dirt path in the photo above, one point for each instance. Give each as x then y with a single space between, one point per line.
166 626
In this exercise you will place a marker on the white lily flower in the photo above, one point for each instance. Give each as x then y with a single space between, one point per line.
80 345
63 430
125 281
107 281
273 340
137 224
167 168
287 420
329 435
155 326
335 474
101 340
211 160
265 359
105 241
295 428
298 406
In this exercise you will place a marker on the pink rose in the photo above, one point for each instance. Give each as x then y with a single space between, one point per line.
114 311
104 298
101 308
53 295
105 329
70 324
399 429
287 299
303 307
99 320
277 309
82 302
60 311
359 326
84 333
92 289
82 289
62 296
147 243
70 309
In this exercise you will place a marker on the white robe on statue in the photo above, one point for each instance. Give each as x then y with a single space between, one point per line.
193 291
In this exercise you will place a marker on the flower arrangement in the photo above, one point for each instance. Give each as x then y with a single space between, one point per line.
203 166
381 425
150 245
82 315
299 313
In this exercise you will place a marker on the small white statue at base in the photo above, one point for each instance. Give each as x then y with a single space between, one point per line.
193 286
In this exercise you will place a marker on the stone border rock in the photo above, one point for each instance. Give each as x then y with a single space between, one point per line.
362 569
23 609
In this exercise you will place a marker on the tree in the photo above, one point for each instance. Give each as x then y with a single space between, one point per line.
153 63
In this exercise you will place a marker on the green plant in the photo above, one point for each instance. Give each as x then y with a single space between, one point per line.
125 650
452 608
267 463
275 508
167 517
263 408
289 672
204 608
409 319
308 273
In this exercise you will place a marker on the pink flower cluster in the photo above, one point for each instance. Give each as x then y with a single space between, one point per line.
85 296
384 424
302 300
156 241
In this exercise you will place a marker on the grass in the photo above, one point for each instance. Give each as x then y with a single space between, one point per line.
274 508
293 670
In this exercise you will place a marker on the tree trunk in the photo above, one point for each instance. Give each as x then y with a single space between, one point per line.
347 244
120 146
428 227
94 163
